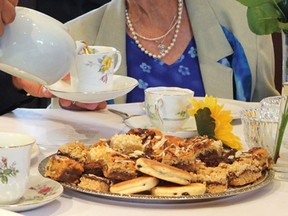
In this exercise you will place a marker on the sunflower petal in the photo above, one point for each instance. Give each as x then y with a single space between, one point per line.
213 121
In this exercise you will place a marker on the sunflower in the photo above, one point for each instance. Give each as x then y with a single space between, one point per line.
213 121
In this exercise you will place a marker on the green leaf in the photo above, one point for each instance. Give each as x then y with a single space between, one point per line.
7 172
205 123
283 25
254 3
4 179
282 6
263 19
267 16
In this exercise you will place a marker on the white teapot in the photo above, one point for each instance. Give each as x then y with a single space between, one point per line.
36 47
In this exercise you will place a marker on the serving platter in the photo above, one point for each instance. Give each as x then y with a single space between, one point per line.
142 198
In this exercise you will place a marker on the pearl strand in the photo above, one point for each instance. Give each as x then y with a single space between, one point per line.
163 51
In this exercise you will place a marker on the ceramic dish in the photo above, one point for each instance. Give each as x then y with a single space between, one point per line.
36 47
40 192
268 177
188 130
121 86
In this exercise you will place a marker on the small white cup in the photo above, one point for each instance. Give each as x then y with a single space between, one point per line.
15 152
167 107
94 72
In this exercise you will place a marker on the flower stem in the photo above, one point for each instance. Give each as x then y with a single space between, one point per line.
280 134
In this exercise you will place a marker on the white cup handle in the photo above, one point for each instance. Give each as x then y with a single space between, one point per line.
119 59
158 105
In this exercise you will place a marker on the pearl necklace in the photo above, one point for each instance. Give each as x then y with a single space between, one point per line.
163 50
171 27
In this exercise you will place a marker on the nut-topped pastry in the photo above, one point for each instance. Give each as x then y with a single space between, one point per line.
63 169
75 150
126 143
119 167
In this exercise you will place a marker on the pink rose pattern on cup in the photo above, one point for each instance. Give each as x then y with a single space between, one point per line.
40 192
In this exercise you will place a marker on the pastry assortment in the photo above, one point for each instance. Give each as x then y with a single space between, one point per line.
145 161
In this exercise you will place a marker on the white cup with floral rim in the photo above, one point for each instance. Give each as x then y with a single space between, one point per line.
94 71
15 156
167 107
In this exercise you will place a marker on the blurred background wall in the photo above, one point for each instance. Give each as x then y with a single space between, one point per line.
63 10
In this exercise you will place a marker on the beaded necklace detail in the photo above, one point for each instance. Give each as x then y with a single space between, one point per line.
171 27
163 50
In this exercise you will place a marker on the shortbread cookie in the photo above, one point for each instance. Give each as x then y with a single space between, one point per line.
93 182
136 185
163 171
188 190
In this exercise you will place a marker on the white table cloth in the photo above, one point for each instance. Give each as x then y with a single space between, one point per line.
54 127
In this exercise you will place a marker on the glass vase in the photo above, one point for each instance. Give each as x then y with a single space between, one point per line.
280 152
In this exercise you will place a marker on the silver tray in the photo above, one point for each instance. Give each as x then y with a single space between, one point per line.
141 198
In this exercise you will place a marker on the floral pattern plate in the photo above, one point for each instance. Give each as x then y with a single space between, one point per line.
40 192
142 198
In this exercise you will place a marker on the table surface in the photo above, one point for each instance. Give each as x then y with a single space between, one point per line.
55 127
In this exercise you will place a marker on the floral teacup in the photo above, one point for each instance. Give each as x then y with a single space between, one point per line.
167 107
15 151
94 70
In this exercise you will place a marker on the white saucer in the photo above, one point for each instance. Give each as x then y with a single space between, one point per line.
40 192
121 86
189 129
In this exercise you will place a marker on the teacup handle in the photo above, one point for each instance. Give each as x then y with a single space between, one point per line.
158 105
119 59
